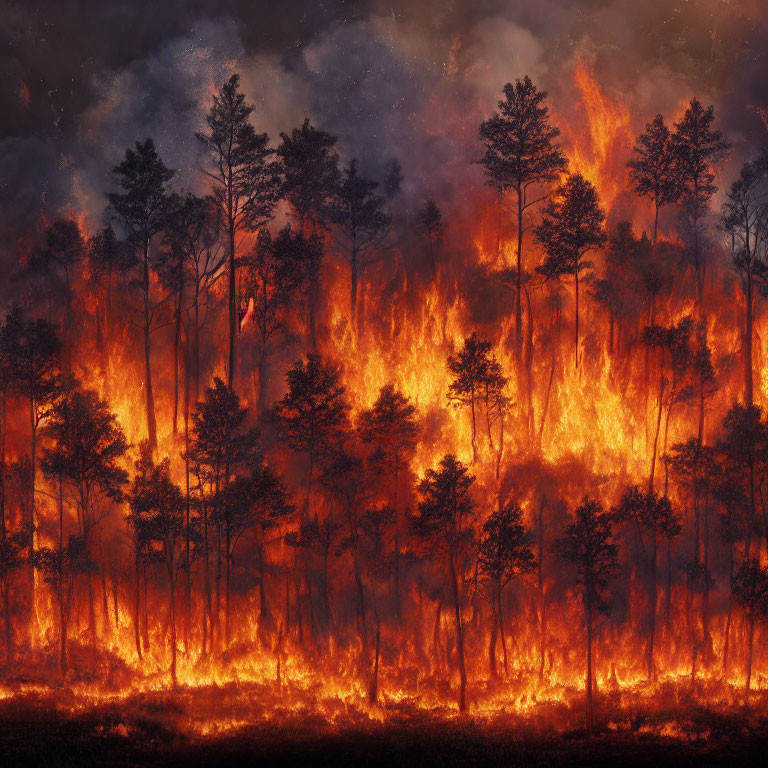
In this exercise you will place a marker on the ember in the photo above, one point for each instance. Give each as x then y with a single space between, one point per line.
298 440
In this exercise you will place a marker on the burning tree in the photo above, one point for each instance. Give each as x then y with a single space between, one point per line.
221 446
142 209
653 171
521 154
157 507
313 414
750 590
245 181
696 146
504 554
431 225
444 522
571 226
85 452
391 428
64 249
310 166
652 514
34 349
588 543
277 273
745 222
363 224
476 379
253 502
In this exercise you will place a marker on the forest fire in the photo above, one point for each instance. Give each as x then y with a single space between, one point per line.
288 449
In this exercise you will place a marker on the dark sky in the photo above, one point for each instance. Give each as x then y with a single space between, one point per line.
407 80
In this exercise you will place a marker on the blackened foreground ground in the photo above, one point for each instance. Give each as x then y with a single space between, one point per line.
38 730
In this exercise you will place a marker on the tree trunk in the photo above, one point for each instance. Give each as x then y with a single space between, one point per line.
542 601
748 334
652 596
576 275
353 290
149 397
501 632
750 643
172 617
62 612
137 605
176 355
518 302
589 669
232 292
459 636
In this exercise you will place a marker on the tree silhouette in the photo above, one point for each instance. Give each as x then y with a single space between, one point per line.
620 290
443 521
108 257
64 249
476 376
588 543
675 364
191 257
695 466
245 179
345 478
745 221
276 273
571 226
255 501
653 515
430 224
34 348
504 554
85 452
653 170
391 428
12 545
744 447
221 446
379 528
160 505
142 209
750 590
312 415
311 176
362 223
521 153
696 147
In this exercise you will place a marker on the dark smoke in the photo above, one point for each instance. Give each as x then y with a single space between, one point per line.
395 80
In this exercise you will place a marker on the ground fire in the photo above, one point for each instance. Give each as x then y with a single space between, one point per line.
280 439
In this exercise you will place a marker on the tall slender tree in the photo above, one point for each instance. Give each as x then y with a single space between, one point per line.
589 544
522 155
571 226
504 554
444 522
142 209
34 348
160 504
745 223
392 429
86 448
311 175
653 170
696 147
363 224
245 178
313 415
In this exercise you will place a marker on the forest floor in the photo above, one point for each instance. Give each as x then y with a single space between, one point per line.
243 724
